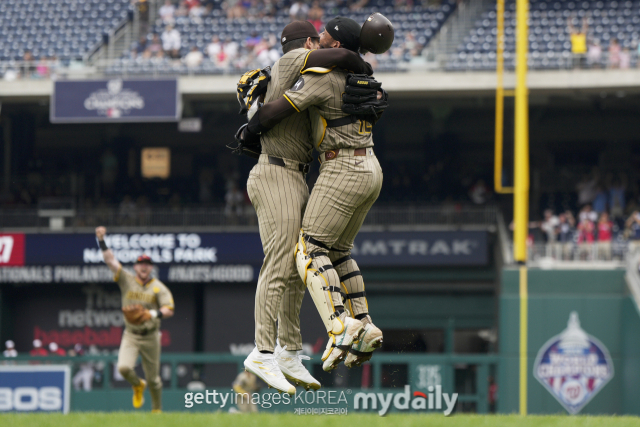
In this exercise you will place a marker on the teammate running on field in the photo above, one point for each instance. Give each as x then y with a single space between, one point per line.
145 301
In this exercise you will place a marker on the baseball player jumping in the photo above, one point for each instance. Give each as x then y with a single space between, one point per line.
349 183
145 301
279 194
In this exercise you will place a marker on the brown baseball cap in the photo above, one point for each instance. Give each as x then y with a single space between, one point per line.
298 30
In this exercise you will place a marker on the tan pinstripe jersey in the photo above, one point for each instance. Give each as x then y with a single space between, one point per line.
291 137
152 295
321 95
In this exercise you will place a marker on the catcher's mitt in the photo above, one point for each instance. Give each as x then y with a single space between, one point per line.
136 314
247 143
361 97
251 87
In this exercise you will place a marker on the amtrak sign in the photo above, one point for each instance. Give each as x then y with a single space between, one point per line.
573 366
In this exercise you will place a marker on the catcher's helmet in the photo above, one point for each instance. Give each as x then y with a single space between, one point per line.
377 34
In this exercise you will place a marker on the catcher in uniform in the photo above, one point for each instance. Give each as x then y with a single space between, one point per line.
349 183
145 301
279 194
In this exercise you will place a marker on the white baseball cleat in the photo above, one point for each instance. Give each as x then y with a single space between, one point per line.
290 363
361 351
265 367
339 344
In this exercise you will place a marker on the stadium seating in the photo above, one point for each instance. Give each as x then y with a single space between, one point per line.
549 36
422 22
66 29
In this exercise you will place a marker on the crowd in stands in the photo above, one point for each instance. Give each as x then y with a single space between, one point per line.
605 227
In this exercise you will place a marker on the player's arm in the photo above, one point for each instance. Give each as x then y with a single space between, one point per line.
330 58
109 258
313 91
165 301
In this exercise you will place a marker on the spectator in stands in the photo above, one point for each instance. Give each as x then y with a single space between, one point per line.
42 69
625 59
616 197
298 11
578 42
214 48
194 58
234 201
587 213
600 201
266 53
10 349
315 15
167 12
196 13
594 54
251 41
171 42
614 54
358 5
142 45
155 45
234 8
54 350
633 231
37 349
566 231
587 189
182 10
479 193
605 236
142 6
231 50
83 379
28 67
586 237
549 227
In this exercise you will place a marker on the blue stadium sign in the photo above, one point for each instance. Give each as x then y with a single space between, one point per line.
40 388
115 100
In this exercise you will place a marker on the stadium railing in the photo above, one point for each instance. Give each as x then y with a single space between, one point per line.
207 217
475 398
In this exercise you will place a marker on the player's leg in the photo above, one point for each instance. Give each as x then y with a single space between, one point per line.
351 279
341 188
127 355
289 355
278 196
150 355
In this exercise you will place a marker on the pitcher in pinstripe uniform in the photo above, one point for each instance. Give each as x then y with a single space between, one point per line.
279 193
349 183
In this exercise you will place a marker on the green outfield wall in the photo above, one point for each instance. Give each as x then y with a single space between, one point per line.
605 311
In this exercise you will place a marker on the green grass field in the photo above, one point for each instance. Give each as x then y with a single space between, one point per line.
121 419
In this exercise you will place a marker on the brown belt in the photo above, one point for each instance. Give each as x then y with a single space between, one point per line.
143 332
332 154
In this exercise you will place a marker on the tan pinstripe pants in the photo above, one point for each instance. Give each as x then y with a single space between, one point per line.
341 198
279 196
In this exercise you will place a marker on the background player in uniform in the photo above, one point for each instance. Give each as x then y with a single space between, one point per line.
245 384
344 193
279 193
145 300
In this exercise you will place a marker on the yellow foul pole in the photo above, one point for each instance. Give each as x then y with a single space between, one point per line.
500 93
521 184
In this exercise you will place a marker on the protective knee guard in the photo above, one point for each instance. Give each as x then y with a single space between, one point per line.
352 284
318 288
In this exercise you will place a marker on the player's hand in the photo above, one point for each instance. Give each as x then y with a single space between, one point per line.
101 232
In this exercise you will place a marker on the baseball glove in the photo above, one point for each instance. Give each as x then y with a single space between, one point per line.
136 314
361 97
247 143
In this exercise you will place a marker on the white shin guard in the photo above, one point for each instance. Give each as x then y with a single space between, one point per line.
318 289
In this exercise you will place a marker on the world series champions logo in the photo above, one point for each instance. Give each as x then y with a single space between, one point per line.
573 366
